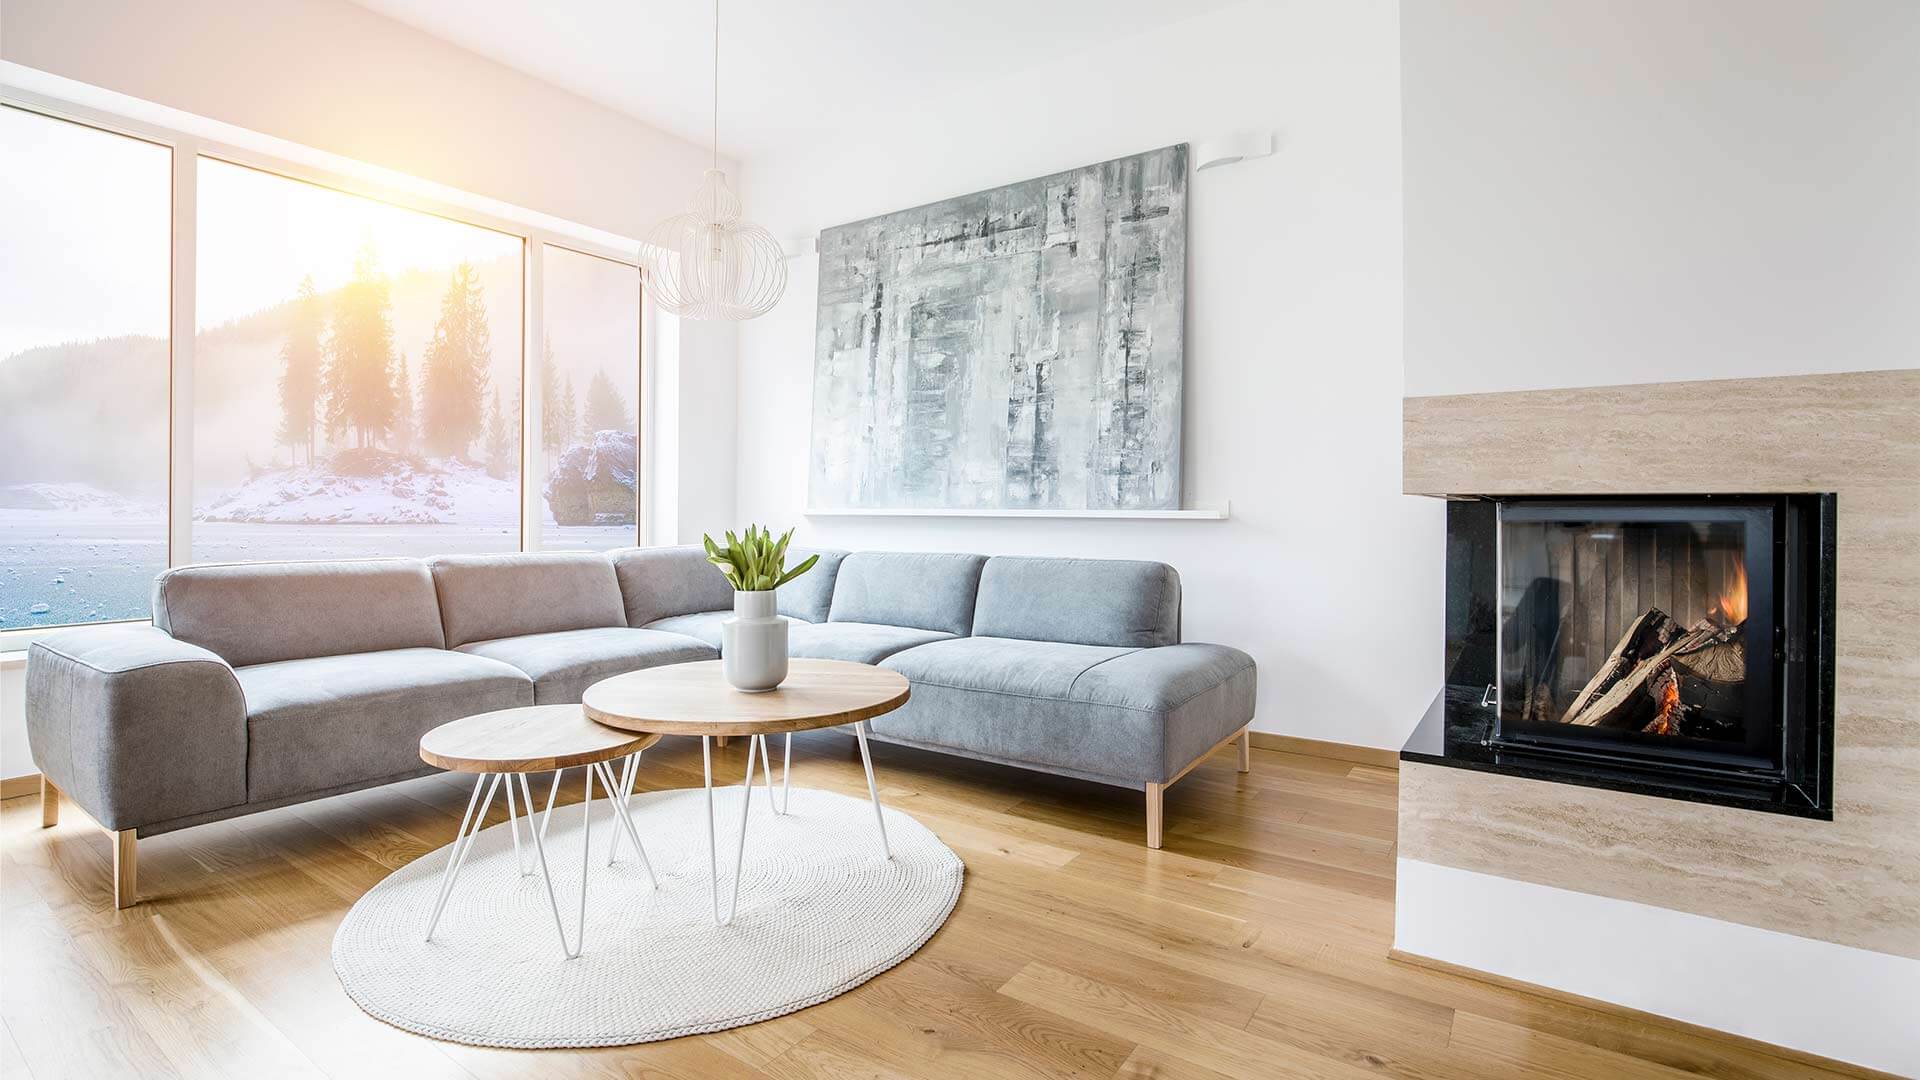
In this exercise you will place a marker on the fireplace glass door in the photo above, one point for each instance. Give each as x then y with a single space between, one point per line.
1646 627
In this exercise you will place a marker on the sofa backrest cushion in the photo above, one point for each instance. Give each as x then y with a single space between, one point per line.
483 597
924 590
660 582
810 596
1117 602
257 613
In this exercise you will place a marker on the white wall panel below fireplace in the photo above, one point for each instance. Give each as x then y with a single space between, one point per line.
1837 1001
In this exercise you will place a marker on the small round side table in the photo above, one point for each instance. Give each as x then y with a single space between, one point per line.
509 744
696 699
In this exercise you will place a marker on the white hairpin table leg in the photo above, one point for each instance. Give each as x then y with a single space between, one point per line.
624 793
462 840
552 792
746 813
866 759
786 777
586 862
626 822
513 825
766 770
713 857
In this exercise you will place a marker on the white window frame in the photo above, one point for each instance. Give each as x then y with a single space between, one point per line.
189 138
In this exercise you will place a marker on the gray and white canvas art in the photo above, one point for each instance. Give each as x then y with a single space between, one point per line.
1018 348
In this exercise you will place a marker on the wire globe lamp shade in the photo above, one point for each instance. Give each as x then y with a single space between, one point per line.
708 264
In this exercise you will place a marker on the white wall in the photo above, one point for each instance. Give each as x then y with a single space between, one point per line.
1848 1004
1622 192
14 757
1324 573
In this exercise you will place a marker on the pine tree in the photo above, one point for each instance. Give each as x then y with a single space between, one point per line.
502 458
566 416
300 368
555 425
359 374
453 378
403 423
606 410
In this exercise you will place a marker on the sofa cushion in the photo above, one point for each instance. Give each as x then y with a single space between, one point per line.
328 721
924 590
810 596
704 625
564 663
257 613
483 597
1130 716
1087 601
659 582
862 643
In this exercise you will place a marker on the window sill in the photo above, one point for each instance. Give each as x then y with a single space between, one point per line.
13 643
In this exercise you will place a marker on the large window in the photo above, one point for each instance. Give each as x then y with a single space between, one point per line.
354 369
85 295
589 371
356 376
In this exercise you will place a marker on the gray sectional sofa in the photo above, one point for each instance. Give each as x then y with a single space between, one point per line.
264 684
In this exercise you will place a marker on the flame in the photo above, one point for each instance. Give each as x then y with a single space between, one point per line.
1732 601
1667 723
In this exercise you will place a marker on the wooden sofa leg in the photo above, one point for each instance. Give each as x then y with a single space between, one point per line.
1154 818
1246 749
720 741
126 868
49 803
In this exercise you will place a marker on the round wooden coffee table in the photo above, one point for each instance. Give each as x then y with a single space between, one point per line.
696 699
511 743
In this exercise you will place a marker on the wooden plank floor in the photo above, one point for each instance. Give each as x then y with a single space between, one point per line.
1253 945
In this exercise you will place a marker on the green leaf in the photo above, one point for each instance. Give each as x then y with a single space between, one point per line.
797 571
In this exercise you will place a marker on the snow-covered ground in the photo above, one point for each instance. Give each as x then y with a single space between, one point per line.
369 487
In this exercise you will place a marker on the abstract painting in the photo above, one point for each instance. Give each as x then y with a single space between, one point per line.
1014 349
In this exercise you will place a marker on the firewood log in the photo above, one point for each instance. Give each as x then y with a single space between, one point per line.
1647 635
1629 702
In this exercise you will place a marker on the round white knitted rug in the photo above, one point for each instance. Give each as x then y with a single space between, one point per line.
821 911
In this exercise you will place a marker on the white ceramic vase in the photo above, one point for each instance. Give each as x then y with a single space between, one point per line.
753 644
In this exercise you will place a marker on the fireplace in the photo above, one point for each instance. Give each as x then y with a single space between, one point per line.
1678 646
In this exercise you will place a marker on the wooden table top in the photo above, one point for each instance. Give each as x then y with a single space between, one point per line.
534 738
696 699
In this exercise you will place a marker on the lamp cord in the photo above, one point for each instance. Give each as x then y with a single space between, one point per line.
716 84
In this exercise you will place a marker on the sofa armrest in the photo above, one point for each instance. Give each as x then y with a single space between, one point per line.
134 726
1205 692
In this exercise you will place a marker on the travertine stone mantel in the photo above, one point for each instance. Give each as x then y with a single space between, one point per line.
1856 432
1854 880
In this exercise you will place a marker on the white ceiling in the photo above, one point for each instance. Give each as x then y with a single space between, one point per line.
788 68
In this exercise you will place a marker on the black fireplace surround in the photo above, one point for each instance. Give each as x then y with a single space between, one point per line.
1678 646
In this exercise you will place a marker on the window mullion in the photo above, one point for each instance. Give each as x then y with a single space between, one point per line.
181 332
532 454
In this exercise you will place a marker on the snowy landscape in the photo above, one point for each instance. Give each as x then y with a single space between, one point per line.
370 487
378 418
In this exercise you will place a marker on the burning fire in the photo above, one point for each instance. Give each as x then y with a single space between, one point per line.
1732 601
1668 722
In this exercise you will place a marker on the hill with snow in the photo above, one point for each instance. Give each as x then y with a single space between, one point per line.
370 487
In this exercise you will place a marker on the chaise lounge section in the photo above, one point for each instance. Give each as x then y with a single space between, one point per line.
265 684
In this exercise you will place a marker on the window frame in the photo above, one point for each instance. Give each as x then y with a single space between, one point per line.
189 138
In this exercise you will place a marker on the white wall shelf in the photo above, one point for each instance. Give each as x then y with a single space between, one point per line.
1212 514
